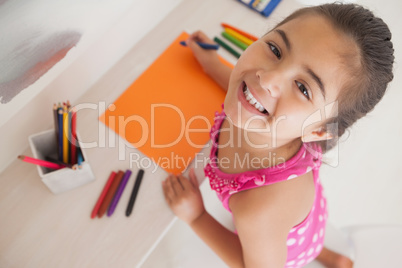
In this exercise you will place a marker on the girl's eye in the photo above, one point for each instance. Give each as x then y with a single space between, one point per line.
303 90
275 50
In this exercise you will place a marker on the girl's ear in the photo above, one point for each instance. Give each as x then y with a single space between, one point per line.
317 135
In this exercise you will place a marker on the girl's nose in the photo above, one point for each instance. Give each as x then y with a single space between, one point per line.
270 81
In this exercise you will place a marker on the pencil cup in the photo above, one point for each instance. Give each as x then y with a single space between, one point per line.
58 181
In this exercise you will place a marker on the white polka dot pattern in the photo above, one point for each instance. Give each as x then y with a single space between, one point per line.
307 238
315 237
290 241
301 230
290 262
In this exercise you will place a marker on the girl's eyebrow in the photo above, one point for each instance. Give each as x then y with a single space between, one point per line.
317 79
285 38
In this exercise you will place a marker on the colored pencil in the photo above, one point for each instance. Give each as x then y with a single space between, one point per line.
73 141
235 41
119 192
69 141
239 36
227 47
65 134
249 36
56 125
80 158
60 139
110 193
103 194
134 192
203 45
40 162
51 159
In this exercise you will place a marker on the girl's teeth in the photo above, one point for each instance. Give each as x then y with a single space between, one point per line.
253 101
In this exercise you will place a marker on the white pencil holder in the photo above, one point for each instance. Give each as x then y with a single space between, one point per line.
58 181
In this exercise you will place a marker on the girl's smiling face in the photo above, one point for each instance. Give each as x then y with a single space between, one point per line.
285 84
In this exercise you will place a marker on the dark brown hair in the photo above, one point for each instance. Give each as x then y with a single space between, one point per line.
370 78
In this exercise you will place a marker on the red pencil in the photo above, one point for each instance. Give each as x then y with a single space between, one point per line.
249 36
110 193
74 142
103 194
40 162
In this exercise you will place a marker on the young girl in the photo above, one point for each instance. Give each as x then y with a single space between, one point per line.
291 95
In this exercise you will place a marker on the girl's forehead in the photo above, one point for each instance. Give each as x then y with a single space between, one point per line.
313 28
317 32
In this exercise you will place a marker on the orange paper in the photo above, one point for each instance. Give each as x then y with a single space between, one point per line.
168 111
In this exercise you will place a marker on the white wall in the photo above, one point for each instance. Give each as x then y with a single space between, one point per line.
36 31
108 30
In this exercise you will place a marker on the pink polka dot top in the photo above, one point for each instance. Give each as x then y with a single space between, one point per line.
306 239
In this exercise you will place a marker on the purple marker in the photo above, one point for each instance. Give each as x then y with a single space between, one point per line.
118 193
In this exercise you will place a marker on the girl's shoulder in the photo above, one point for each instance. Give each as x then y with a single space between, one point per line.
295 196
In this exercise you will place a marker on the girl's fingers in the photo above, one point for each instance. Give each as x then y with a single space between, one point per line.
167 191
184 182
192 44
200 36
176 184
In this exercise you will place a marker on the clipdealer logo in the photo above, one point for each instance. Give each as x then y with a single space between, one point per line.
120 123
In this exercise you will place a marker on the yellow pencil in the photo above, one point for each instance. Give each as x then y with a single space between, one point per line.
239 36
65 134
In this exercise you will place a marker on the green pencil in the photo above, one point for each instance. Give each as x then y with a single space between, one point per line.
234 41
227 47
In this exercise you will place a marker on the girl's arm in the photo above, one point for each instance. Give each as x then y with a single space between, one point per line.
222 241
261 228
262 243
262 217
184 198
209 60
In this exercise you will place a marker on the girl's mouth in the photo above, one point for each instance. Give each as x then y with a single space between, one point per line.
253 101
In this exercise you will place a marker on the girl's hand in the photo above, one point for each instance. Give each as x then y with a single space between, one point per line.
207 58
184 197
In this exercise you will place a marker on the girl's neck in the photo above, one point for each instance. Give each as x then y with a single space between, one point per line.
256 145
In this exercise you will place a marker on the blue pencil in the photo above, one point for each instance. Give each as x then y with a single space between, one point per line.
79 158
203 45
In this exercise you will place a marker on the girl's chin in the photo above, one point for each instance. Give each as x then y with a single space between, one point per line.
247 123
